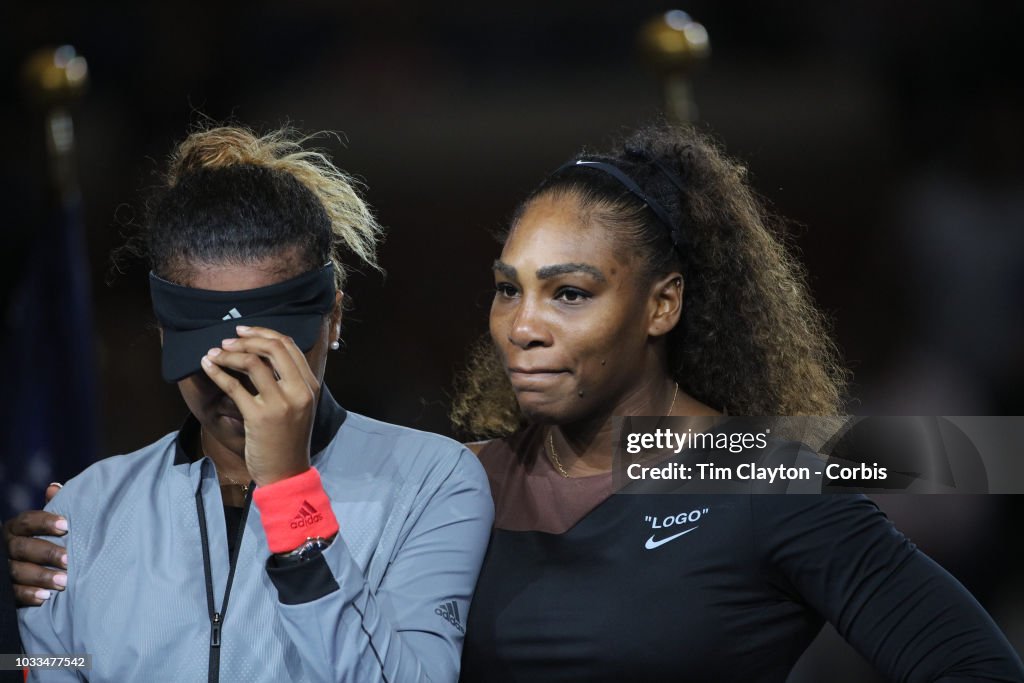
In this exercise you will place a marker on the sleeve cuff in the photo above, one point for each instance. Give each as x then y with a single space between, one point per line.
300 582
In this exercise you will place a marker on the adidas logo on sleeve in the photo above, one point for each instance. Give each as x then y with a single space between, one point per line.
449 611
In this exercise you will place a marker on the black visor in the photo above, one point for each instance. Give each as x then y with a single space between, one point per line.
197 320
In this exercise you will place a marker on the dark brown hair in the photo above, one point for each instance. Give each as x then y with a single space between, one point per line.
232 196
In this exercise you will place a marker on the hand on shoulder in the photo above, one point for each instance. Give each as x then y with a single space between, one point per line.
37 566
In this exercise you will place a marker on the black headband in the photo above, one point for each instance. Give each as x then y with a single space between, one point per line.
654 205
196 320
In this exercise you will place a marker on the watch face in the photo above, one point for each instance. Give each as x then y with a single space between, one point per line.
308 550
311 548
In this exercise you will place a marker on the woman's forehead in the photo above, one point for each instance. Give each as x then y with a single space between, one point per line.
554 231
234 277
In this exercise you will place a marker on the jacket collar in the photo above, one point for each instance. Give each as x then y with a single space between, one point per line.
329 418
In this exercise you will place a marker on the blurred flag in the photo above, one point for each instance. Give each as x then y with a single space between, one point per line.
48 406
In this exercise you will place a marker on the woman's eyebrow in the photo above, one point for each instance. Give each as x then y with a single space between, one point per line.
564 268
504 268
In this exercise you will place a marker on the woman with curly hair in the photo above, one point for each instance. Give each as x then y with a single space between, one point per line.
647 282
275 536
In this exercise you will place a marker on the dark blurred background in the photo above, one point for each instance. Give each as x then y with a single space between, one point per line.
889 133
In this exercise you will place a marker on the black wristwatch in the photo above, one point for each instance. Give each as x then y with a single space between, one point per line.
308 550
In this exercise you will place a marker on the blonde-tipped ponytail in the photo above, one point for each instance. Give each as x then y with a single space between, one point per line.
227 187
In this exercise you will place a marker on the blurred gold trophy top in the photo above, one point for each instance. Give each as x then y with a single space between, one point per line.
55 76
673 44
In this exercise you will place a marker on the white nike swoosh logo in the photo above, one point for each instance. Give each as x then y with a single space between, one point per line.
652 544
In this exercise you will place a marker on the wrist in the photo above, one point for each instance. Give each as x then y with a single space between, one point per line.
268 478
295 509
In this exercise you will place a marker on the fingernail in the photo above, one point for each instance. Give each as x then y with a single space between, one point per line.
60 579
42 594
213 352
61 525
64 560
228 342
55 483
206 362
242 328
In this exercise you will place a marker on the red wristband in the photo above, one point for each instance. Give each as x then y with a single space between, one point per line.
295 509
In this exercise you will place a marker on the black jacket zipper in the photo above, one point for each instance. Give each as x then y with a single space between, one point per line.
217 618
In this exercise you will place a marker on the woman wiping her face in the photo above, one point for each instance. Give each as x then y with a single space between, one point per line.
275 536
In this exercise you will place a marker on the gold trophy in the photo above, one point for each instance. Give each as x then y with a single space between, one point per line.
674 45
54 79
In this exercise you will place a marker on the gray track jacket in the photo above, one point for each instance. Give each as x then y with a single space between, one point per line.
387 601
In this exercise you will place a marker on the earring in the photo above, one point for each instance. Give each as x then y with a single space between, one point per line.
335 345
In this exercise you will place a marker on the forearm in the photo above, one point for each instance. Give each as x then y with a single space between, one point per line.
342 631
395 628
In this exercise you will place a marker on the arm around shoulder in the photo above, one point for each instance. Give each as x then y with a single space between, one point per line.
48 628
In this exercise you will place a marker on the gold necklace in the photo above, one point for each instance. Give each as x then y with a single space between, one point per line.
244 487
553 454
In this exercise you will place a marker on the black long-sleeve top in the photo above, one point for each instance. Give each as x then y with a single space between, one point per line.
669 587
